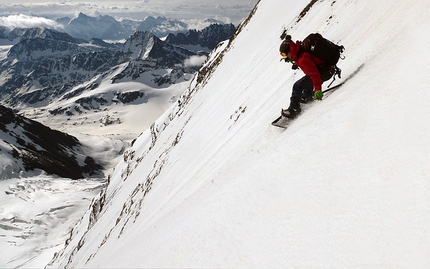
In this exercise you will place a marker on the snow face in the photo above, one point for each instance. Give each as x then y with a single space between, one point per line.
213 184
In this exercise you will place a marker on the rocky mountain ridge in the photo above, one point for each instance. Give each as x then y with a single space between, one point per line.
207 37
45 65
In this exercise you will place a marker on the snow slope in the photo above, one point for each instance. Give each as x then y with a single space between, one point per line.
213 184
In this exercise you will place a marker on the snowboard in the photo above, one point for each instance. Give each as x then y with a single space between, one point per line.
281 122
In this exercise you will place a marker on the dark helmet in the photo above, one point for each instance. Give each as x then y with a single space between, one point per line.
285 45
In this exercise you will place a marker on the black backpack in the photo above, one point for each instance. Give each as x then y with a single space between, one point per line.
322 48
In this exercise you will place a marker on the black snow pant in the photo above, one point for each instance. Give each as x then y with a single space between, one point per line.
303 88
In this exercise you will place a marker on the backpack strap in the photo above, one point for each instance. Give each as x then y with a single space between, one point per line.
337 72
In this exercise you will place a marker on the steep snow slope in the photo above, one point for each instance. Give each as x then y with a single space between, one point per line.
212 184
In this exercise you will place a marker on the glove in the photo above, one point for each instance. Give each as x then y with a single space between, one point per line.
318 95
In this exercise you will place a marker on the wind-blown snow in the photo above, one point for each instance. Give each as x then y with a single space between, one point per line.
213 184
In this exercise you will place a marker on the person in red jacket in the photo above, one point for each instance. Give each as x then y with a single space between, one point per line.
309 86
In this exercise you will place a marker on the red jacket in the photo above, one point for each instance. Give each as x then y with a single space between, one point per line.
308 63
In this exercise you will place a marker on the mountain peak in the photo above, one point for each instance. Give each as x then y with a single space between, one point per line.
139 44
82 16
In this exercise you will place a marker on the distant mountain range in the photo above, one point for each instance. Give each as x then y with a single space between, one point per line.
55 74
108 28
46 64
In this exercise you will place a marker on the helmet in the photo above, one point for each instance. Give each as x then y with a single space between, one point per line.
285 45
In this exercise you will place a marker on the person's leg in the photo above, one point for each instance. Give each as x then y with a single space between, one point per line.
294 108
300 88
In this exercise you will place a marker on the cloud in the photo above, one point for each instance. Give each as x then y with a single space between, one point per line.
195 61
26 21
224 10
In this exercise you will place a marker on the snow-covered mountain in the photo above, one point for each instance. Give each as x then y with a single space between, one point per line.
51 61
102 26
50 75
346 185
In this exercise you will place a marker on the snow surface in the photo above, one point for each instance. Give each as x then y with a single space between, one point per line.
37 215
213 184
128 120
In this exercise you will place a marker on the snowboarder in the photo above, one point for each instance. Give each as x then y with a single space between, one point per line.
316 72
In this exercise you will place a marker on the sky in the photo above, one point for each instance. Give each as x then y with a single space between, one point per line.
226 10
